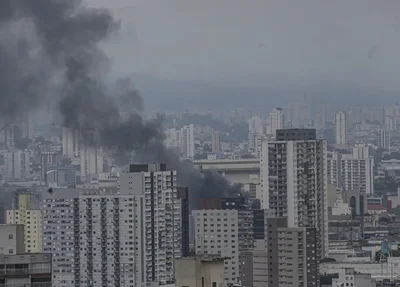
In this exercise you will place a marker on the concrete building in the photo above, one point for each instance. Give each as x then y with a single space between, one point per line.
216 142
95 237
276 120
173 138
256 128
70 142
13 164
61 176
183 195
254 268
8 135
216 234
340 128
200 272
224 228
91 161
113 240
348 277
47 161
352 171
11 239
162 220
31 219
293 180
292 254
26 270
187 142
383 139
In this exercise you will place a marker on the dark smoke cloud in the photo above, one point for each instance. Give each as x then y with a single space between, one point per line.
206 184
59 60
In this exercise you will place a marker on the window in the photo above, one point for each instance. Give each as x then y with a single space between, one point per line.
214 284
10 236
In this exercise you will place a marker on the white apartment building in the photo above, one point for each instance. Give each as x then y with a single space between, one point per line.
216 141
112 239
187 142
293 180
31 219
70 142
61 234
173 138
352 172
276 120
217 234
340 128
383 139
162 220
96 238
256 128
91 160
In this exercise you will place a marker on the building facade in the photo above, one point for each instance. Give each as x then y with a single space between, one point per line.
383 139
293 180
352 172
163 217
31 219
340 129
276 120
187 142
216 142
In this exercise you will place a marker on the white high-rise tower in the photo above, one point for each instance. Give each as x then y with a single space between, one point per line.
276 120
341 133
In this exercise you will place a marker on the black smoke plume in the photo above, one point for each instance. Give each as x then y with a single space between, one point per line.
49 51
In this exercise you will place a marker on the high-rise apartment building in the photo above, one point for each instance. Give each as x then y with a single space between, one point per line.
224 232
13 164
216 141
162 219
187 142
256 128
31 219
383 139
352 172
96 238
292 254
293 180
91 160
341 129
276 120
70 142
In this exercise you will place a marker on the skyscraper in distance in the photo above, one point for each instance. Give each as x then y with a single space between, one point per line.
340 129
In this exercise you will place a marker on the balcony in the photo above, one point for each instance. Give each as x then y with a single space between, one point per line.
35 284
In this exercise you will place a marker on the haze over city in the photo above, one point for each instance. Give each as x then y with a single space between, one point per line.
199 143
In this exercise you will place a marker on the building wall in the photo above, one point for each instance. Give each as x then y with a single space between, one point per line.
12 239
294 182
341 133
31 219
216 233
195 272
163 217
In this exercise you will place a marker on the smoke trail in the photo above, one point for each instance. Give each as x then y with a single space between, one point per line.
59 60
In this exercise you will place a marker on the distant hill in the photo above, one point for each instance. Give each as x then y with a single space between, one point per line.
173 96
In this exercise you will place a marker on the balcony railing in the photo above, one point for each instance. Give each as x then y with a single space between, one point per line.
36 284
24 271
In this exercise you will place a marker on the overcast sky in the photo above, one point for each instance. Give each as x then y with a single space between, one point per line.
260 41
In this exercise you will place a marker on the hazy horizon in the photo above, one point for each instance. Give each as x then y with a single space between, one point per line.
259 43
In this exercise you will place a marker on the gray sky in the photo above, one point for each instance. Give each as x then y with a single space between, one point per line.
260 41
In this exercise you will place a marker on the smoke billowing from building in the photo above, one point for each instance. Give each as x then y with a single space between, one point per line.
49 51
